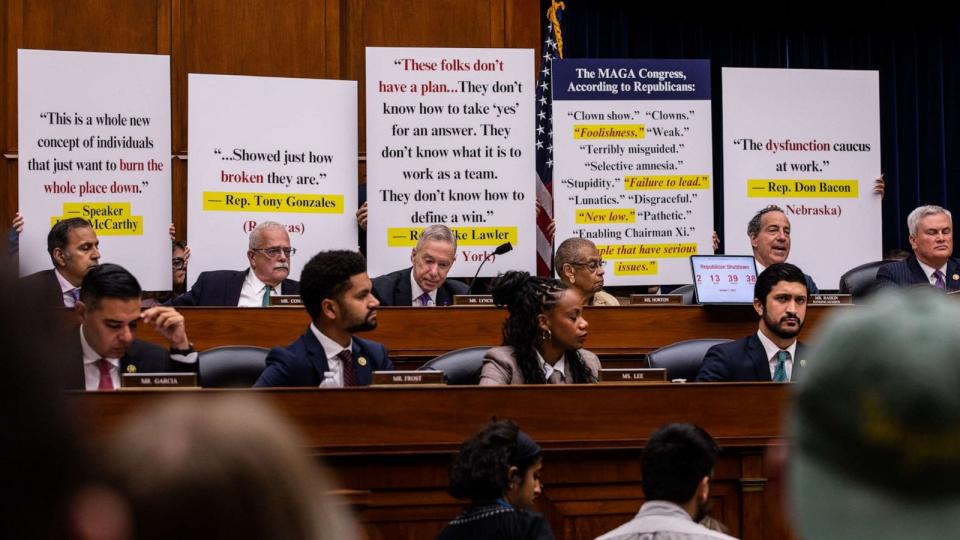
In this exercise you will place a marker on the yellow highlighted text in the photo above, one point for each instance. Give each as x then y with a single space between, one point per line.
607 215
670 181
466 236
635 268
647 251
107 218
301 203
821 189
609 131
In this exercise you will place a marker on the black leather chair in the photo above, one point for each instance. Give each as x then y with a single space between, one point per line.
460 367
231 366
683 358
861 280
689 293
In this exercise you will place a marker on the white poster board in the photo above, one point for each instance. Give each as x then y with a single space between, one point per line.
450 140
270 149
633 164
94 142
808 141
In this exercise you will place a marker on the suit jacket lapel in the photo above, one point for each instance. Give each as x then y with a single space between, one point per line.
953 275
403 295
362 364
917 274
315 354
234 287
758 356
799 362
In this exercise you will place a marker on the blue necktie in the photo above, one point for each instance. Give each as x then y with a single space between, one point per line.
780 373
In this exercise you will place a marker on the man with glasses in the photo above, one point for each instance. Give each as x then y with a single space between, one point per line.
579 265
269 256
425 283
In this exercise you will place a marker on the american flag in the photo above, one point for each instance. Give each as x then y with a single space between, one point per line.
552 48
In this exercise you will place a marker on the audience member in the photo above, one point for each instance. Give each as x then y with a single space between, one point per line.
74 249
425 283
780 299
339 298
543 334
181 255
677 464
932 262
580 266
769 232
498 472
269 256
221 467
874 423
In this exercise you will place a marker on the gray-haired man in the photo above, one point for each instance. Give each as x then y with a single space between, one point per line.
425 283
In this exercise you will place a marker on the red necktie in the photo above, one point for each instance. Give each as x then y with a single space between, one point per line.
349 374
106 381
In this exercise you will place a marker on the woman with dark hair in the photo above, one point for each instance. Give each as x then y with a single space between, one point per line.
498 471
543 335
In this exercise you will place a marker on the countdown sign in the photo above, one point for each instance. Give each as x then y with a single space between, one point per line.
724 279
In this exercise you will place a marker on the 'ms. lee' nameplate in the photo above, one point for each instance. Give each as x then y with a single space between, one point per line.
407 377
158 380
633 376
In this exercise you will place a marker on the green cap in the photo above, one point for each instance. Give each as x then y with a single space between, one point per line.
875 423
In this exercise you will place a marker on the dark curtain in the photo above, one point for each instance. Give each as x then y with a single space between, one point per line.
916 51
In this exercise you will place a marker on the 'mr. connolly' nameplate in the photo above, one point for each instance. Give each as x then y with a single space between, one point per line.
633 376
407 377
158 380
286 300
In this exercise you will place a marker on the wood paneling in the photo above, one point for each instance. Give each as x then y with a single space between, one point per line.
393 450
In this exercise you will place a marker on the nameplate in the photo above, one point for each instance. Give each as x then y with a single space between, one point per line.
158 380
472 300
830 299
286 300
655 299
407 377
633 375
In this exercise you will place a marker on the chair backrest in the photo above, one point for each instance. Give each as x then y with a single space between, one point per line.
461 366
689 293
861 280
683 358
231 366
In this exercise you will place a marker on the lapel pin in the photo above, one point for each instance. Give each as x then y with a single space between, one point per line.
803 363
131 368
362 361
956 277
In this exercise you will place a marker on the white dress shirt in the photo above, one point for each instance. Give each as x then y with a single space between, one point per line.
772 349
91 372
66 288
929 270
251 295
416 292
560 366
332 350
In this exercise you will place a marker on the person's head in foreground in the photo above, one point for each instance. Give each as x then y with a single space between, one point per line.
545 317
677 463
875 423
221 467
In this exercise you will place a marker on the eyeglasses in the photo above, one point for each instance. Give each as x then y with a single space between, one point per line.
275 252
179 263
592 266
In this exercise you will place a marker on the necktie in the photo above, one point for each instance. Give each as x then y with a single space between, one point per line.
266 296
555 378
780 373
349 374
938 280
106 381
75 294
423 300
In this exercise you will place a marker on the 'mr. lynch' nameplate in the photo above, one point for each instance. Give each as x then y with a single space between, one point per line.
407 377
158 380
633 376
472 300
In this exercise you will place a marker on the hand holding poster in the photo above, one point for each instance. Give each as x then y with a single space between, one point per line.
94 141
807 141
633 164
449 141
270 149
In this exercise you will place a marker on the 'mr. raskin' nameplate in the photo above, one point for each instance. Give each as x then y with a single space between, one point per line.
407 377
830 299
286 300
472 300
633 376
158 380
655 299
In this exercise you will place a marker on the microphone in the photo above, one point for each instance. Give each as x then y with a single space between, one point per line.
501 249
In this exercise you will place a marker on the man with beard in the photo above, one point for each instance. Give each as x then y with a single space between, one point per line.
580 265
780 299
769 232
676 466
338 295
269 256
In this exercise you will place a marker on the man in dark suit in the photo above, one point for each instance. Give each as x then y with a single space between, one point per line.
931 237
269 256
74 249
769 232
339 298
773 353
425 283
104 346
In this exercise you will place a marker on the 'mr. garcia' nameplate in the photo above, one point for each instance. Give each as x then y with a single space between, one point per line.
407 377
633 375
158 380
